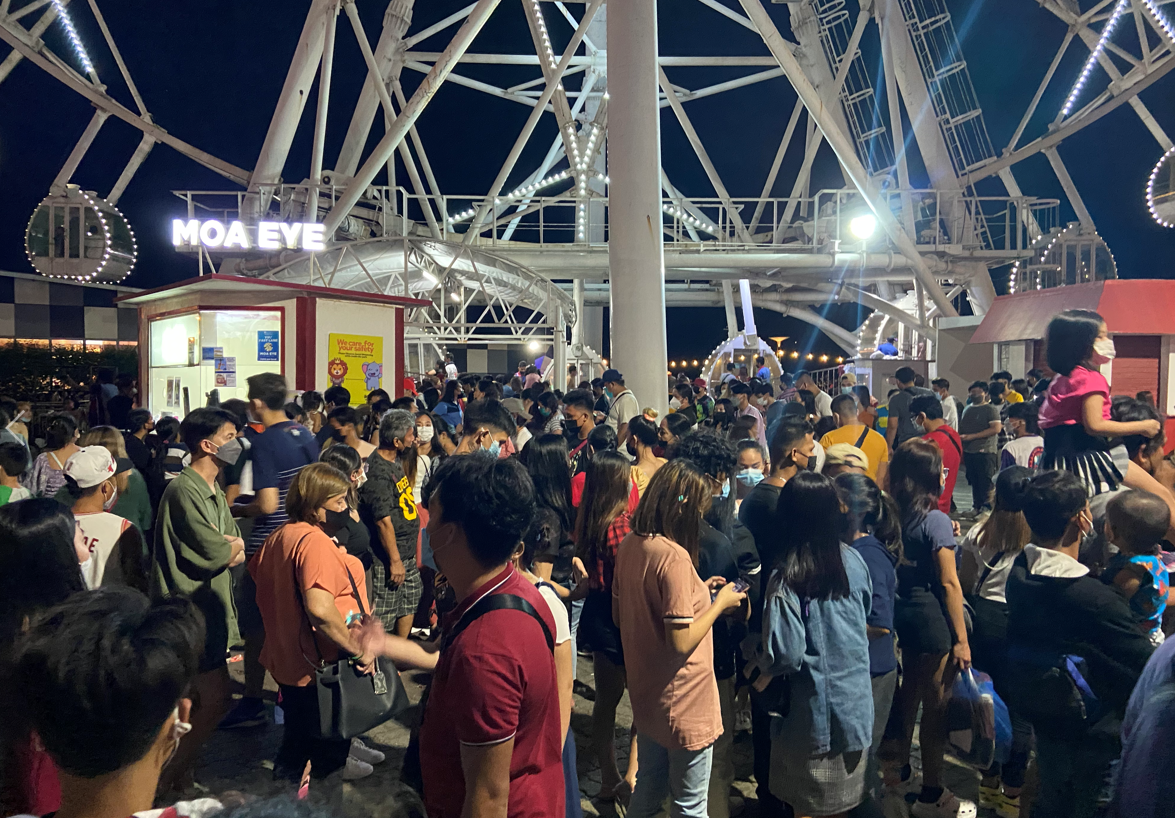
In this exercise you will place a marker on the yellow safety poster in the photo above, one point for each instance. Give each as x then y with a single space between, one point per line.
355 362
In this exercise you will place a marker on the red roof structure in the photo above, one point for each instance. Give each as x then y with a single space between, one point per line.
1130 307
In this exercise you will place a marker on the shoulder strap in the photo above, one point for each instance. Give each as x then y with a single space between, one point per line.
861 439
497 602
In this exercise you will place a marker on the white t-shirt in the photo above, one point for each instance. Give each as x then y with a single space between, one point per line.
622 409
451 371
559 611
950 412
823 404
101 533
992 586
522 438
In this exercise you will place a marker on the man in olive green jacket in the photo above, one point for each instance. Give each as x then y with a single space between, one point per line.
196 542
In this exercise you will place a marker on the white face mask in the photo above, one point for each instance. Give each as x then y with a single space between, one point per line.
675 404
112 501
1103 350
179 729
424 433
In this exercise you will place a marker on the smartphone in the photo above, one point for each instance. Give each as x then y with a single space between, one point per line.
741 586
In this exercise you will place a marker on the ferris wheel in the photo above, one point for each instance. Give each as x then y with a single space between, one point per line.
535 237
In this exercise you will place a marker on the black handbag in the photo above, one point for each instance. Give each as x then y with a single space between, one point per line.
351 702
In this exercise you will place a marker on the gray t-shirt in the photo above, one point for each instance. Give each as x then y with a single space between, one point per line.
899 412
977 419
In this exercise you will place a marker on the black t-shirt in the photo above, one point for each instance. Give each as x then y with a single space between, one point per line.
118 408
757 513
602 403
387 493
552 543
716 559
137 452
357 540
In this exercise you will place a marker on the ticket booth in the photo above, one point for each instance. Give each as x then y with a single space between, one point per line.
213 332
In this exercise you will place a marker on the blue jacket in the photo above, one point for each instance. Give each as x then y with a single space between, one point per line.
822 645
882 573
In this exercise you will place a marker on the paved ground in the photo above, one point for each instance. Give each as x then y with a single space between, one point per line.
242 760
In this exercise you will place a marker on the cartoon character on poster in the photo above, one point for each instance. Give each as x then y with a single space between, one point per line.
336 370
372 372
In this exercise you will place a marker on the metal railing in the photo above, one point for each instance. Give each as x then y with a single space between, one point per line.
936 220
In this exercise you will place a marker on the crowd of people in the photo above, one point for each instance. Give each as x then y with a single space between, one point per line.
755 559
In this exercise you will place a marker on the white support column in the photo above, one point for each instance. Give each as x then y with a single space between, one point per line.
845 151
749 329
728 303
636 242
1166 396
79 151
288 111
132 167
1070 189
328 61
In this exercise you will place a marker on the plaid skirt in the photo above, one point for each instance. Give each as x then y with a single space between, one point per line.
817 785
390 604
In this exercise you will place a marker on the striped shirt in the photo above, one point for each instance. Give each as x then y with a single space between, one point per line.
277 455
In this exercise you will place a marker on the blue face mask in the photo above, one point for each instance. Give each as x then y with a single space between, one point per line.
725 489
846 390
750 477
495 449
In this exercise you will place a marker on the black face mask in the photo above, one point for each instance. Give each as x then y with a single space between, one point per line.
338 436
335 522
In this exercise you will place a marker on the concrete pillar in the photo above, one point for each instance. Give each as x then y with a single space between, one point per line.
635 240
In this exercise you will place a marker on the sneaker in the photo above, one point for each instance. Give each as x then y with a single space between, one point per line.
247 713
356 769
1008 806
364 753
989 797
947 806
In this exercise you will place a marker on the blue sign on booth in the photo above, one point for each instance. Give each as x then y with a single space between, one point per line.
268 345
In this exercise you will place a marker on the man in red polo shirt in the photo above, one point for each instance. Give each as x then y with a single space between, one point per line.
926 410
490 743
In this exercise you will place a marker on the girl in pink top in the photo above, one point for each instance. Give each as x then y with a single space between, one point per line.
1075 419
666 613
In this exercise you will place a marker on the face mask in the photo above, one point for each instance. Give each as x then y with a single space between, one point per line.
544 411
750 477
1103 350
495 449
725 489
846 390
335 522
109 504
1087 537
675 404
424 433
231 452
338 436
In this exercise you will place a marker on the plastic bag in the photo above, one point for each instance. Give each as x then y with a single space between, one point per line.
979 727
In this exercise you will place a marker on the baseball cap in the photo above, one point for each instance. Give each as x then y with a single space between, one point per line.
514 406
93 465
700 382
612 376
846 454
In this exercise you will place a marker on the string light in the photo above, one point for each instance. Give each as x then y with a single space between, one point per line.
518 193
690 220
1161 20
1094 54
74 39
1150 189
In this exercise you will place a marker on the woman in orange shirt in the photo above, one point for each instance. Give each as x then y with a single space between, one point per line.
307 589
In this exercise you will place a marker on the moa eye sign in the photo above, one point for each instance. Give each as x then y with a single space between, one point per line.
213 233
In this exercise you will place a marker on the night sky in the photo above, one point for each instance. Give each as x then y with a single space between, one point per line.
212 76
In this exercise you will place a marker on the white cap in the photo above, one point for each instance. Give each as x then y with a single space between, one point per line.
94 465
